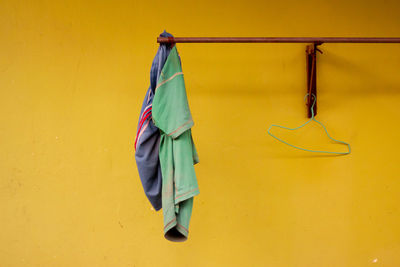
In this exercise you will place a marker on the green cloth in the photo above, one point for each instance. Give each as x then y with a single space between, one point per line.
171 114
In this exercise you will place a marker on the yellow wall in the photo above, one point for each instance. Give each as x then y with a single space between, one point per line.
72 78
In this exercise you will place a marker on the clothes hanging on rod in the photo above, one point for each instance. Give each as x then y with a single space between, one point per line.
169 145
165 151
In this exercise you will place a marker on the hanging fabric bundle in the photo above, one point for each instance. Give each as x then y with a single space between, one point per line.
165 151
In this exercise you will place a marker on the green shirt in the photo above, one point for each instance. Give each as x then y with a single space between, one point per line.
171 114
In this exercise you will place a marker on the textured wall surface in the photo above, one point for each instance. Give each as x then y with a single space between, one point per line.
73 75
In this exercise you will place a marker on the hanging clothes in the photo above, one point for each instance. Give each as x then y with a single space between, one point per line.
165 151
148 136
171 114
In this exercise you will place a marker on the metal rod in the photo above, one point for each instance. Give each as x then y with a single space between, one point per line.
317 40
311 58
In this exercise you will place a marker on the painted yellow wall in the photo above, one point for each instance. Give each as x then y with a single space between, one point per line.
72 78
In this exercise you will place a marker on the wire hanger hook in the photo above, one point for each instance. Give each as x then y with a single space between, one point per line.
320 123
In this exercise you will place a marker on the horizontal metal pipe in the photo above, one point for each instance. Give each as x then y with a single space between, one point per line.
317 40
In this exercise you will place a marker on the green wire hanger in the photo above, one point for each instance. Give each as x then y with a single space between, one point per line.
311 119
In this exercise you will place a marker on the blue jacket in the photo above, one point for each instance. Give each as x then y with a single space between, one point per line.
147 141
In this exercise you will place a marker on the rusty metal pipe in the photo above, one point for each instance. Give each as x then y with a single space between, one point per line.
317 40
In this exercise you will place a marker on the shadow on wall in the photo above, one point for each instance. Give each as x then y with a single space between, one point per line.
360 73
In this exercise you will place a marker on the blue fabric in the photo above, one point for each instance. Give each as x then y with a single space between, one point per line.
147 141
